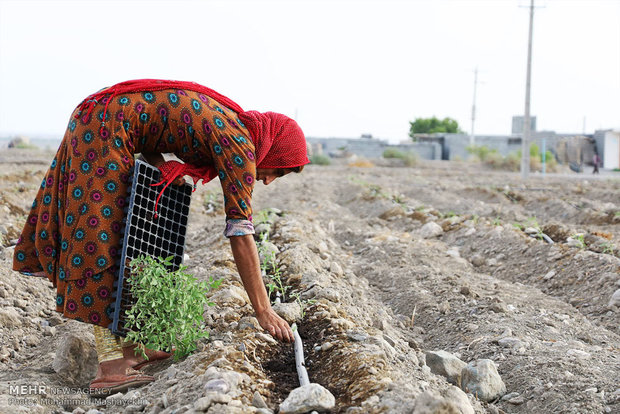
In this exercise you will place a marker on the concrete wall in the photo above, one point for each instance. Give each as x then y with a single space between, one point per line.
369 147
454 146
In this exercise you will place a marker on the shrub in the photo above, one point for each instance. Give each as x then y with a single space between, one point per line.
512 162
410 159
169 306
481 152
393 153
320 159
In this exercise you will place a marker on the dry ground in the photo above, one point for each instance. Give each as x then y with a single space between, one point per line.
352 239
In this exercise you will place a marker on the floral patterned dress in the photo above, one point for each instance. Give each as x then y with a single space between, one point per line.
74 230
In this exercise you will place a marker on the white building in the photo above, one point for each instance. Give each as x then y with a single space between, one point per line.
608 147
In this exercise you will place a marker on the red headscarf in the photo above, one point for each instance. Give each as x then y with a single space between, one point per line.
278 140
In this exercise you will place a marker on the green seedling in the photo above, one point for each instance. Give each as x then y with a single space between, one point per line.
609 248
276 287
580 240
168 312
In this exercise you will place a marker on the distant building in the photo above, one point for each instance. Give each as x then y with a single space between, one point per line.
608 147
518 124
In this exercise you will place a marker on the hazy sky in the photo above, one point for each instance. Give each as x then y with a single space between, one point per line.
342 68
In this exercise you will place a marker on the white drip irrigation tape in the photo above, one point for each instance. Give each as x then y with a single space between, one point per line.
302 373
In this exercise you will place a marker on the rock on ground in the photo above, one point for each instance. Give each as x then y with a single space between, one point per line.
481 379
449 401
76 360
445 364
307 398
430 230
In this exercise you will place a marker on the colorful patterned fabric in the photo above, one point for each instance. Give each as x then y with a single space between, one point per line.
74 230
278 139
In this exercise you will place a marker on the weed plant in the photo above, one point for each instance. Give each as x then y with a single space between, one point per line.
320 159
169 306
581 243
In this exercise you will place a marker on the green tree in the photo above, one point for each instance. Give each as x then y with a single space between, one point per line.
432 125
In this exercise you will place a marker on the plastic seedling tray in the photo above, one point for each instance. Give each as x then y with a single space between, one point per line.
145 234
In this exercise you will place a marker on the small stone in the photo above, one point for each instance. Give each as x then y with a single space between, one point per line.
327 346
578 353
465 290
217 385
511 342
55 320
265 337
49 331
357 336
498 307
249 322
431 230
290 312
232 295
453 252
392 213
516 400
341 324
267 250
445 364
117 396
482 379
31 340
203 404
10 318
549 275
336 269
448 401
477 260
258 401
615 299
307 398
510 395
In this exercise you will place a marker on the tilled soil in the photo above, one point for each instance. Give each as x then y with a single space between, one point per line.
385 292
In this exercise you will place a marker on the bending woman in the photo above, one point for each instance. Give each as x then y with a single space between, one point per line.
73 232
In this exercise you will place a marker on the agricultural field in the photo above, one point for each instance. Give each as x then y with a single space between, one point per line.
406 283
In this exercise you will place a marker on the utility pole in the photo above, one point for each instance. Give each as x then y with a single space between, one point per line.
472 137
525 142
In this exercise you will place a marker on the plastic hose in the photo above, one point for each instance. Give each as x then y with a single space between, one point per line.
300 364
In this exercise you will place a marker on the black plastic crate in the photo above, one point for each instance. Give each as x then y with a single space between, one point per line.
145 234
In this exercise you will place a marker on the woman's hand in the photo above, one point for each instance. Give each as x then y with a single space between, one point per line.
275 325
246 258
156 160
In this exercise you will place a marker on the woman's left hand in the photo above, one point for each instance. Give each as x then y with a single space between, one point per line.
275 325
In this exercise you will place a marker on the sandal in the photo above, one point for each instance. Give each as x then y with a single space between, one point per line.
117 383
160 355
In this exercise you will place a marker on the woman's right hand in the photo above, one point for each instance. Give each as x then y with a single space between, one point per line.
275 325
